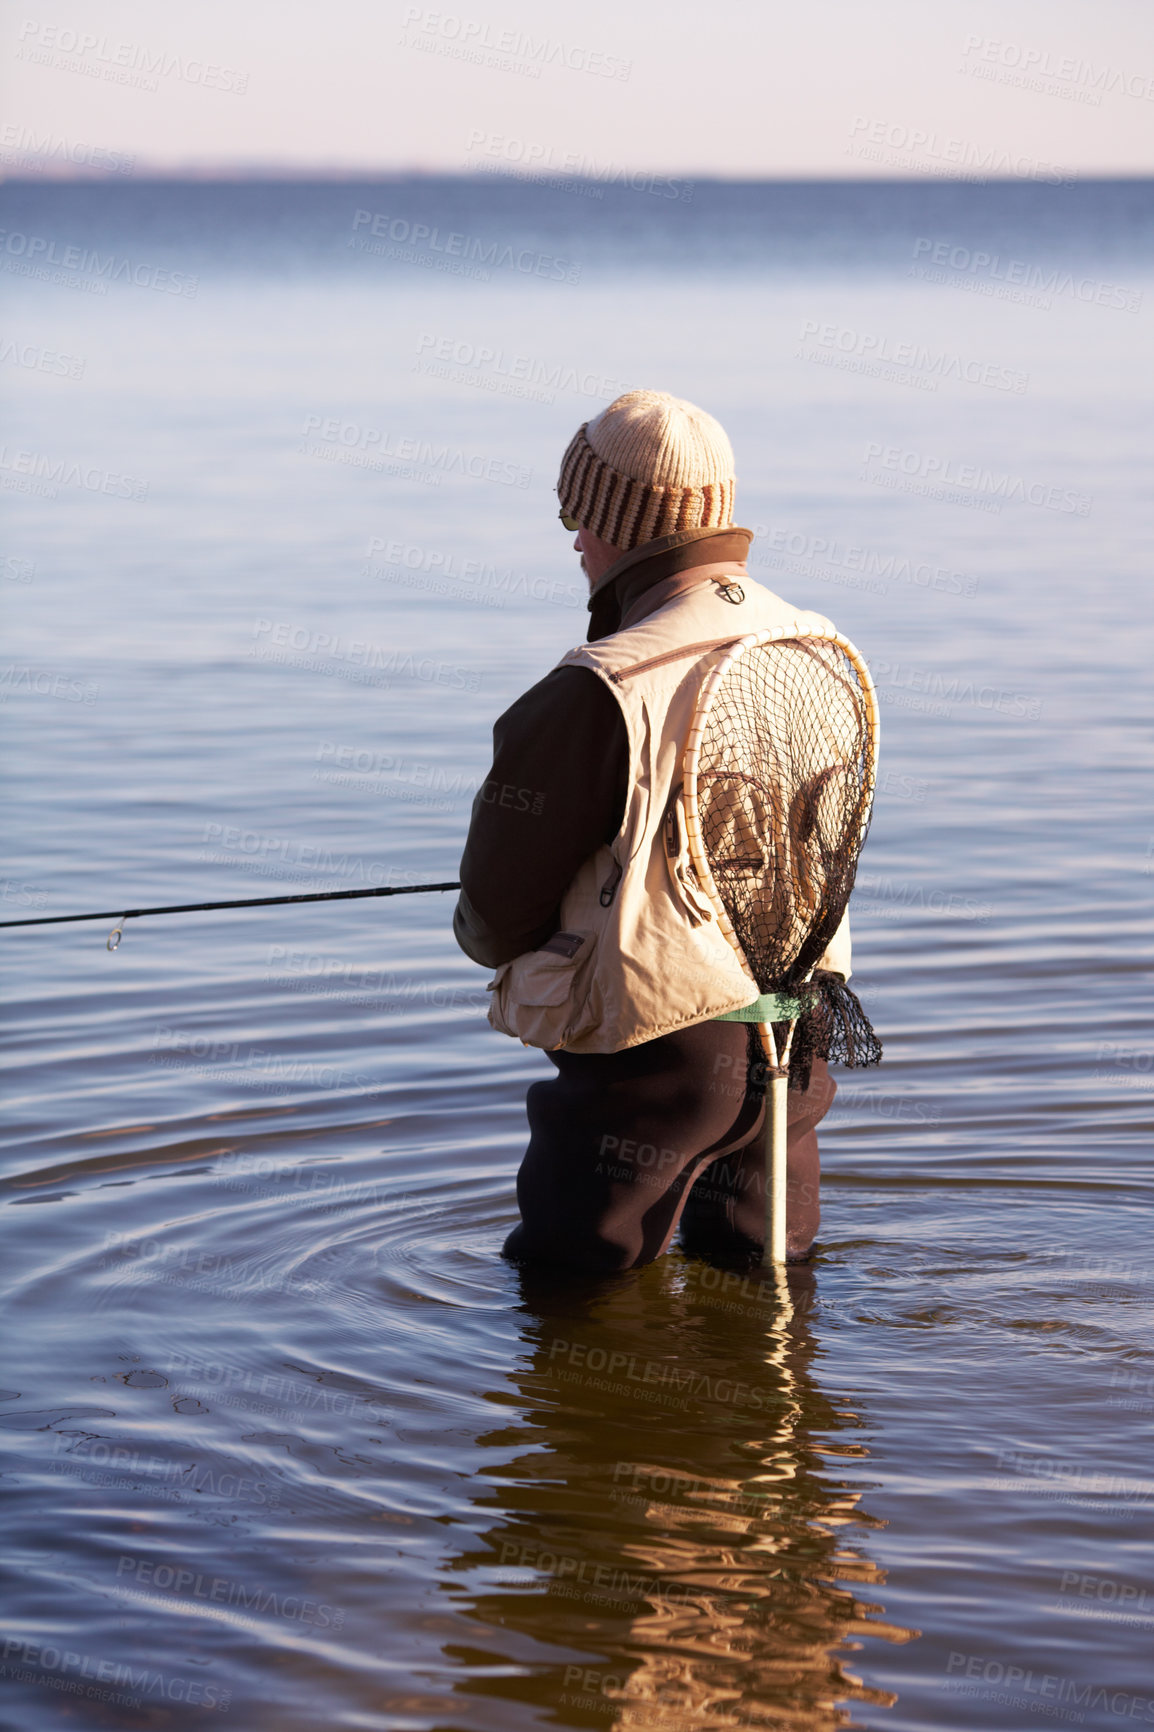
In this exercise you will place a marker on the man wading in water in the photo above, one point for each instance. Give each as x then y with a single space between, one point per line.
576 885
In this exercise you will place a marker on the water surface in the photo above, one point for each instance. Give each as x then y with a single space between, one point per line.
286 1439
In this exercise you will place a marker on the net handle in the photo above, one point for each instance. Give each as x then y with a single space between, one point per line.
692 753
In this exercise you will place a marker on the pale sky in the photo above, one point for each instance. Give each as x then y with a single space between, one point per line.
1033 89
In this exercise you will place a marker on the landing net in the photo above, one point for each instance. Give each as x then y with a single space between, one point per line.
783 778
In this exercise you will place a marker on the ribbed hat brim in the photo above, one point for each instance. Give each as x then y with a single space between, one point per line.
626 512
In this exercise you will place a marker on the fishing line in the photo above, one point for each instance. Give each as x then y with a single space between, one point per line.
117 932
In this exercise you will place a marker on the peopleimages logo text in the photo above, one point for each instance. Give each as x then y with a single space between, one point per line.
947 154
97 53
29 149
42 250
476 39
1019 273
1069 69
973 478
424 238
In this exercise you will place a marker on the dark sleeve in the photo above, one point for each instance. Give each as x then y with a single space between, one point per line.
555 794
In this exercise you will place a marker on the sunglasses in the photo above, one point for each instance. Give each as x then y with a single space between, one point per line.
568 522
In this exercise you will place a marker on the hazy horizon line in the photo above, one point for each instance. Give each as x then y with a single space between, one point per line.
34 168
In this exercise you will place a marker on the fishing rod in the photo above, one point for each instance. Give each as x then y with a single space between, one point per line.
117 932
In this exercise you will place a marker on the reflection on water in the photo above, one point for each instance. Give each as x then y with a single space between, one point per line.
667 1511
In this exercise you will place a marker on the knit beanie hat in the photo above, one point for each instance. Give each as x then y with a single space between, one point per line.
648 465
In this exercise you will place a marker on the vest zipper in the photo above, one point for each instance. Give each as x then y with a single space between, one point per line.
609 888
689 649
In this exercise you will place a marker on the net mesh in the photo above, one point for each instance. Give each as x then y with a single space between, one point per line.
784 784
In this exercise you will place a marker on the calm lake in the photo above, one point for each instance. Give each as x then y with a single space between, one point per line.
285 1441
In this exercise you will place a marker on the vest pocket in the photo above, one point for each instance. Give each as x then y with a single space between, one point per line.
537 996
546 976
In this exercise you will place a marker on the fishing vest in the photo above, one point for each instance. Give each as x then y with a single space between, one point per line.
639 952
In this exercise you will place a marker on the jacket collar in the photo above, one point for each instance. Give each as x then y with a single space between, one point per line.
626 583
